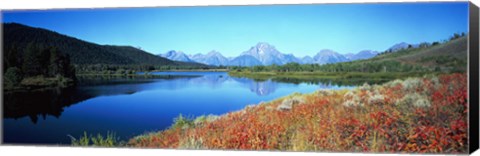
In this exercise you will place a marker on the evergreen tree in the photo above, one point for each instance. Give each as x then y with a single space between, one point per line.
31 64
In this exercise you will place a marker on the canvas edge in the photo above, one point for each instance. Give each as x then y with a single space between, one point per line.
1 78
473 64
473 76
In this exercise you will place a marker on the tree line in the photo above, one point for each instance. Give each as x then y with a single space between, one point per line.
35 61
356 66
119 69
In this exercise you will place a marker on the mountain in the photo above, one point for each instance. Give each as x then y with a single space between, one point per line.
245 60
329 56
400 46
288 58
307 60
18 36
265 54
176 56
349 56
268 54
364 54
212 58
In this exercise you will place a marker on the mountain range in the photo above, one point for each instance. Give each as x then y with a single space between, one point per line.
211 58
19 37
265 54
364 54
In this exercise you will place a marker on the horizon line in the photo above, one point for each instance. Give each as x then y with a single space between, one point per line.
240 53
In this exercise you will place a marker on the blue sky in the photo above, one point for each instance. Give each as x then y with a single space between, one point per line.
298 29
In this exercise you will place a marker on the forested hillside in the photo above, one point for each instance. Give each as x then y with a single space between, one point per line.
86 56
19 36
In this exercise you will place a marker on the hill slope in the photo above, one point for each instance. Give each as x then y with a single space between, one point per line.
446 57
451 55
81 52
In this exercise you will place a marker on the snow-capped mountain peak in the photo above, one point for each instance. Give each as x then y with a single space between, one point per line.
329 56
265 54
211 58
176 56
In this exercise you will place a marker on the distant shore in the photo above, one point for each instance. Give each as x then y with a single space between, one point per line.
106 73
328 75
40 83
192 70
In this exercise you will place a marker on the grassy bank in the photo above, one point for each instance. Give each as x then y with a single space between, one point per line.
426 115
38 83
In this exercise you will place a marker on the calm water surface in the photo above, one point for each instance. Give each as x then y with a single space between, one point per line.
134 106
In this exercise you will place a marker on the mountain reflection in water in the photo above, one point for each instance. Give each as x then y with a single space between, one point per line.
53 101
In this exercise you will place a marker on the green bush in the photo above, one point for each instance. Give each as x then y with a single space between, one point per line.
88 140
182 122
13 76
120 71
82 141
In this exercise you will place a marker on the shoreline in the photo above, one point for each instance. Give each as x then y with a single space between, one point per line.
193 70
40 83
148 72
334 75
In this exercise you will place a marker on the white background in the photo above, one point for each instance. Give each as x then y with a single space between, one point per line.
74 151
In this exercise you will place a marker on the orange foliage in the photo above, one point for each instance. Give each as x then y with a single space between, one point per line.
324 124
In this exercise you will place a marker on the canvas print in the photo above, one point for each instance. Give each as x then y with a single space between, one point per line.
359 78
